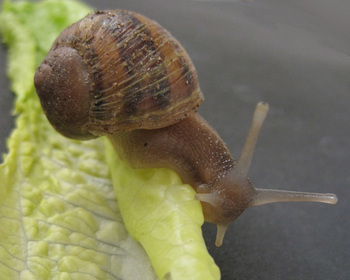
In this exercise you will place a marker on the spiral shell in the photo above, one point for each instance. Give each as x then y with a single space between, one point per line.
138 75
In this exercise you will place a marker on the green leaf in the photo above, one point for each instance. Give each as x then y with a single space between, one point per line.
59 217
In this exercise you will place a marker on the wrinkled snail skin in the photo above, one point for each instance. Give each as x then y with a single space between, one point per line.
195 151
120 74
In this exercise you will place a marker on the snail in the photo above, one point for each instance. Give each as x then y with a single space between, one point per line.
120 74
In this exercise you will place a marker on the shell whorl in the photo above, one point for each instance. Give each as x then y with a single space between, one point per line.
139 75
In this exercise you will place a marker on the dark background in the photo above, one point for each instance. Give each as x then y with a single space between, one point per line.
295 56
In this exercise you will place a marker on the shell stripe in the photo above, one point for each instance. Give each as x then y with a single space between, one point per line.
147 86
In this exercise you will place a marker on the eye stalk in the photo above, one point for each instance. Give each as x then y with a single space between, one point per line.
239 189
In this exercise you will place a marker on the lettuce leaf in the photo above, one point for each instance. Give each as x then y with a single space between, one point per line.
160 212
59 217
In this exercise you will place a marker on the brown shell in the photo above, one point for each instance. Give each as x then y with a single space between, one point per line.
139 75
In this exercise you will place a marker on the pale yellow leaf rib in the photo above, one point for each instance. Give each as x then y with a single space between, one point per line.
168 225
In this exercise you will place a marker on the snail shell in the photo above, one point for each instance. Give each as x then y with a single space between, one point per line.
137 74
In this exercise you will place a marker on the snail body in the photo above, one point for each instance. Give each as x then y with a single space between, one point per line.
120 74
